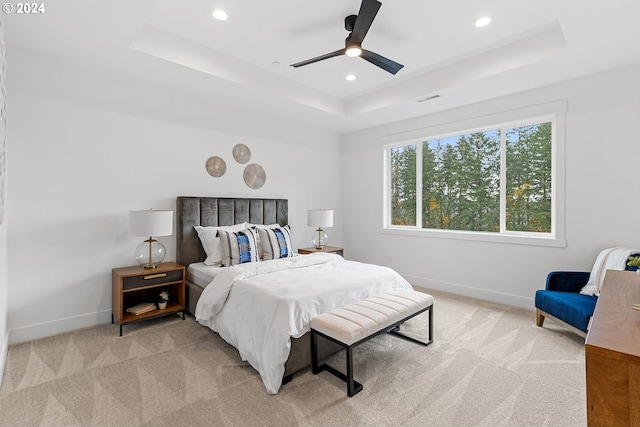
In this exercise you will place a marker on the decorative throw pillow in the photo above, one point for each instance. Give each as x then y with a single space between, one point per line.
211 243
262 226
238 247
276 242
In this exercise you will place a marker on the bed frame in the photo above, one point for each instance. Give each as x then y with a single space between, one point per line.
217 211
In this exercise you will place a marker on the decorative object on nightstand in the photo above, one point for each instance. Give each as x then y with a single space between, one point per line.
320 218
150 223
135 292
163 300
141 308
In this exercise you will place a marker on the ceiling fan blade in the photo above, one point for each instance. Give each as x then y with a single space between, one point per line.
382 62
319 58
368 11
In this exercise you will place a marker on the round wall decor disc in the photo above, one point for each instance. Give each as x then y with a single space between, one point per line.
254 176
241 153
216 166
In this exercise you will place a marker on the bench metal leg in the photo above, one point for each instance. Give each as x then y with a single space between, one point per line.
430 324
396 331
314 353
353 387
350 372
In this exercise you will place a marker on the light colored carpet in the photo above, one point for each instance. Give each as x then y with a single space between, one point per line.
489 365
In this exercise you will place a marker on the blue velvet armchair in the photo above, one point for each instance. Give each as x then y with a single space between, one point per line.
561 300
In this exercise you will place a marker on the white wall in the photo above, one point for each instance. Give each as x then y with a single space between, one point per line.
78 165
86 148
4 297
602 196
4 278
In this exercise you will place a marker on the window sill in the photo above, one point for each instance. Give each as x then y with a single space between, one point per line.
514 239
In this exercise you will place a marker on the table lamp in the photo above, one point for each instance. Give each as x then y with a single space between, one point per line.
320 218
150 223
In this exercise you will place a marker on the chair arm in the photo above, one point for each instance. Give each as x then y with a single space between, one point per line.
567 281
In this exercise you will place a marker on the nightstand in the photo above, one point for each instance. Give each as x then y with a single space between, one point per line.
131 286
329 249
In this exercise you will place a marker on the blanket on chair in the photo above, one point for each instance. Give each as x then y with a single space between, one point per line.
609 259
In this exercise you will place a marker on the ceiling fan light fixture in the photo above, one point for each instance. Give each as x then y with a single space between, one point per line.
353 51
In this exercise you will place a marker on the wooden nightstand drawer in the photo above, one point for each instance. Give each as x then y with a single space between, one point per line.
152 278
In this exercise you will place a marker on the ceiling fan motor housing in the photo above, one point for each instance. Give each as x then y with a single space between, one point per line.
349 22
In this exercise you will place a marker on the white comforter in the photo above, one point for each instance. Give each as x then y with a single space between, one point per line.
257 307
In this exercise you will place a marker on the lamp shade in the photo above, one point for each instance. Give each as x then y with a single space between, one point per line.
150 223
320 218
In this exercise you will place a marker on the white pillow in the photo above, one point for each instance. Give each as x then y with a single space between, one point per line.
276 242
238 247
211 243
263 226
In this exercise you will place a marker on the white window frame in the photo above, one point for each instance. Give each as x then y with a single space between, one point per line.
553 112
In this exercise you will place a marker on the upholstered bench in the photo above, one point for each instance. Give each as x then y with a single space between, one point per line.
356 323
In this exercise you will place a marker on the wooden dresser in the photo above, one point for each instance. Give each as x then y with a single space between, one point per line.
612 352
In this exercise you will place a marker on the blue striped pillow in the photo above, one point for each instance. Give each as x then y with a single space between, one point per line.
276 242
238 247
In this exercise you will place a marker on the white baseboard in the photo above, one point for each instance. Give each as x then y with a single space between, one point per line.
4 351
468 291
47 329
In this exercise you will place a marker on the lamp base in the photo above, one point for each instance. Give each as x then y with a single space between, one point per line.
150 253
319 238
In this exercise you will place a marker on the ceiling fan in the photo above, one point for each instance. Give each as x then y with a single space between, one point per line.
358 25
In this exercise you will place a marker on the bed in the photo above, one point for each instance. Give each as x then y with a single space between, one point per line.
320 282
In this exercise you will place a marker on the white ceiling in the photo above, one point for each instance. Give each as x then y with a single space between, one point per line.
178 45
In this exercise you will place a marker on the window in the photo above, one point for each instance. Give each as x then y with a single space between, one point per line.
461 182
403 185
489 181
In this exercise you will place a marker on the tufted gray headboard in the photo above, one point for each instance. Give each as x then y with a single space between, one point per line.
217 211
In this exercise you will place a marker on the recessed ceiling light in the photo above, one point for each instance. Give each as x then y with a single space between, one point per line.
220 15
350 77
483 22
